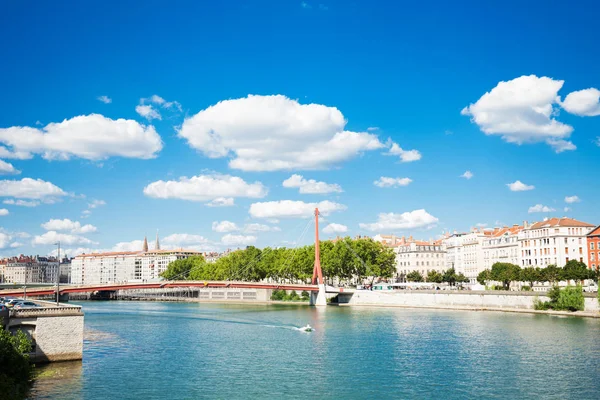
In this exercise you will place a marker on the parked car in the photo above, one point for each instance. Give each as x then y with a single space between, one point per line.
12 302
25 305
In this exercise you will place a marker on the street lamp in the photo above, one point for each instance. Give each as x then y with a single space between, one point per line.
58 275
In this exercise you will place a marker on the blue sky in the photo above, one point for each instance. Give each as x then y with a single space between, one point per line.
416 72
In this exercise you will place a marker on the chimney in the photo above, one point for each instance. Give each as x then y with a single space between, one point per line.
525 224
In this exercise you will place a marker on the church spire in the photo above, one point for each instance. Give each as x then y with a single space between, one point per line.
157 245
145 244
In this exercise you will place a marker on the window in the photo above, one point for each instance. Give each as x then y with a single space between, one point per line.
566 250
591 245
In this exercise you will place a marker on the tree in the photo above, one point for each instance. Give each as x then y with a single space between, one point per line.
460 278
180 269
434 276
531 275
414 276
551 273
574 270
450 276
16 371
483 277
505 273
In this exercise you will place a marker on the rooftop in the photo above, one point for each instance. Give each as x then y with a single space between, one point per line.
558 222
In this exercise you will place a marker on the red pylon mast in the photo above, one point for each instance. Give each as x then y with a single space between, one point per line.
317 273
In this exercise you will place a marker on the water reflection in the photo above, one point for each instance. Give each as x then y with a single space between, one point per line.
62 380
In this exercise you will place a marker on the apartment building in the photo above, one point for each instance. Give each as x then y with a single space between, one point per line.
417 255
464 252
502 245
554 241
593 246
28 269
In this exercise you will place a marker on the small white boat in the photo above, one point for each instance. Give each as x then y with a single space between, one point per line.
306 328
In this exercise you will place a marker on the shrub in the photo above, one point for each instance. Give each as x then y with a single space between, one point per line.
553 293
540 305
305 296
571 299
15 369
526 288
278 295
293 296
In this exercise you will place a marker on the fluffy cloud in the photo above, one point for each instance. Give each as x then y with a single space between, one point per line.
68 225
253 228
583 102
134 245
292 209
148 112
385 182
178 240
51 237
522 111
311 186
221 202
540 208
21 203
159 101
518 186
205 188
92 137
572 199
3 212
8 169
104 99
28 188
268 133
335 228
467 175
224 226
407 220
405 155
238 240
567 209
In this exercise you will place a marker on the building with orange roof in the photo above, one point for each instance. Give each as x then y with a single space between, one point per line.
418 255
502 245
125 266
593 246
554 241
28 269
464 252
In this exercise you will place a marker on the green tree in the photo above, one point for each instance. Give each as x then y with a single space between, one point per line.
460 278
180 269
483 277
505 273
550 274
531 275
414 276
449 276
434 276
16 372
574 270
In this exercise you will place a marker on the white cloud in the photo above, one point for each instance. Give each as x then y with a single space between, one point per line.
292 209
522 111
21 203
407 220
134 245
311 186
467 175
205 188
178 240
104 99
28 188
583 102
15 245
238 240
3 212
540 208
268 133
92 137
405 155
224 226
19 155
481 225
373 128
335 228
156 99
518 186
567 209
572 199
385 182
148 112
253 228
68 225
8 169
597 141
221 202
96 204
51 237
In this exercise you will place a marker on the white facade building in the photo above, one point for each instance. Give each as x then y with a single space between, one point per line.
553 241
136 266
464 252
420 256
502 246
28 269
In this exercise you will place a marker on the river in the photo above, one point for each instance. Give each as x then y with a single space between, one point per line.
153 350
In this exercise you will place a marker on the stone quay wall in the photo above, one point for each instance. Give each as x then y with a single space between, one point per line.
454 299
56 332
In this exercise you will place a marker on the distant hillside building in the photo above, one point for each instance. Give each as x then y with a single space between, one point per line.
28 269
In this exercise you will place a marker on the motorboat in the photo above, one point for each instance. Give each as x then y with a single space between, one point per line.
306 328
